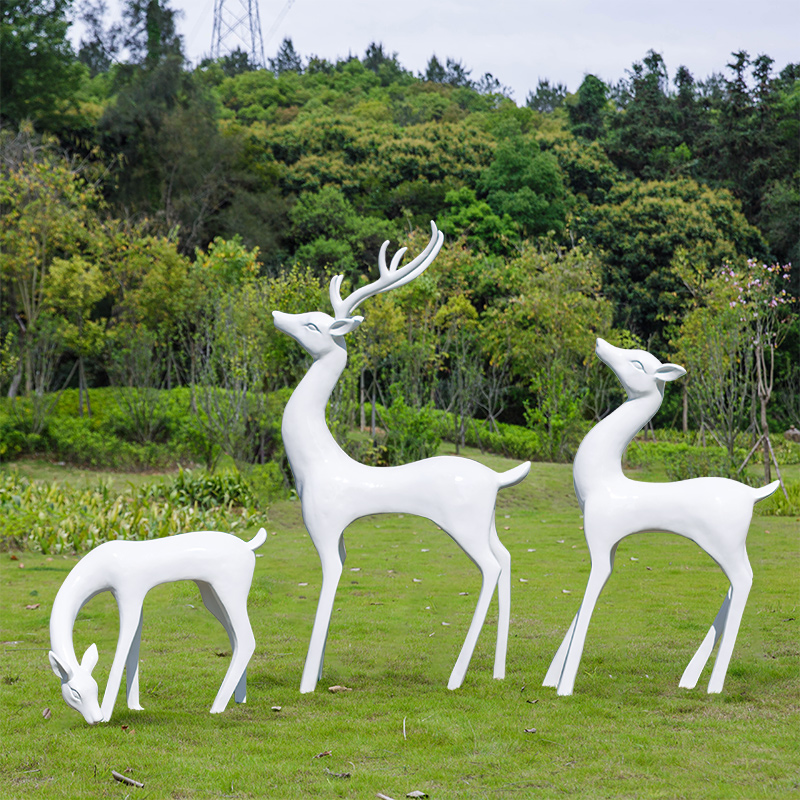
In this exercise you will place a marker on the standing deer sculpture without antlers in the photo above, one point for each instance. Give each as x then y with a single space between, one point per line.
713 512
457 494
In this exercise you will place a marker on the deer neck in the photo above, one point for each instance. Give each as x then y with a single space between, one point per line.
80 586
306 436
599 457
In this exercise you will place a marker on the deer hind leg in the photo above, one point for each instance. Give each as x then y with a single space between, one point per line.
503 601
229 605
741 578
332 562
132 667
481 553
692 672
602 565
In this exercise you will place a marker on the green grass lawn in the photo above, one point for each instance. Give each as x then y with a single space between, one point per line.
399 621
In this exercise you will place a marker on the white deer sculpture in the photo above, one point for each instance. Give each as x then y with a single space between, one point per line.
220 564
456 493
713 512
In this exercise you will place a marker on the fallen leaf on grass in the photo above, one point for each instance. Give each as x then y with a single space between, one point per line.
46 713
322 754
416 793
338 688
342 775
32 606
276 708
383 796
530 730
14 558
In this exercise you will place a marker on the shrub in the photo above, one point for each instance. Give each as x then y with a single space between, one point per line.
225 489
60 519
411 433
681 461
778 505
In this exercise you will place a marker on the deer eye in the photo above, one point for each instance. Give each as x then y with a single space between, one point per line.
638 365
312 327
76 695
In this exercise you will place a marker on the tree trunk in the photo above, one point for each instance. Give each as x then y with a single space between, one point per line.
765 432
685 411
362 402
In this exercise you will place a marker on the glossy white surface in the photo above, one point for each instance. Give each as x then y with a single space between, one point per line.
220 564
456 493
713 512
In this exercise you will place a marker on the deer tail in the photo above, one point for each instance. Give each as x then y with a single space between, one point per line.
766 491
257 540
513 476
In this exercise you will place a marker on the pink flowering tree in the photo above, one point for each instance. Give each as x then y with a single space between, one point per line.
759 296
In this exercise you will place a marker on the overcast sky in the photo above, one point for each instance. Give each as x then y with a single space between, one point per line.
521 41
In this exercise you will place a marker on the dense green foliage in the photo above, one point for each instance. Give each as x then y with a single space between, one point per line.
153 215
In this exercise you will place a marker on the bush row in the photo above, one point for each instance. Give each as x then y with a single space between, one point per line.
62 519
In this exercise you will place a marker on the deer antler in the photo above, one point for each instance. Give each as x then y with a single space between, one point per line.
391 277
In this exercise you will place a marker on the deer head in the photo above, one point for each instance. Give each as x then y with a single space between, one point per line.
78 687
319 333
639 372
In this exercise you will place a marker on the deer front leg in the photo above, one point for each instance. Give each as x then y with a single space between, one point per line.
557 664
132 668
332 562
692 672
602 565
130 615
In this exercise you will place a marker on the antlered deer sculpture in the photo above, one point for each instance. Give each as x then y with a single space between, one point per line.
456 493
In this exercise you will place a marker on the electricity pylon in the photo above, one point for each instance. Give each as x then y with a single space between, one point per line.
237 25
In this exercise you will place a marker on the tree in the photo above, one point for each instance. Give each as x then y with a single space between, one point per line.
457 389
641 227
286 59
100 46
40 75
551 302
74 288
587 109
764 306
525 184
48 214
150 35
712 346
547 97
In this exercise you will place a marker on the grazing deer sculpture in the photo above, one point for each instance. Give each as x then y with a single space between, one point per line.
457 494
713 512
220 564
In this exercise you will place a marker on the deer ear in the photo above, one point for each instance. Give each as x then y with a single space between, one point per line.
669 372
340 327
89 660
61 669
